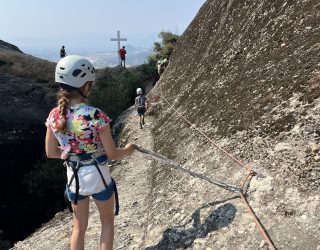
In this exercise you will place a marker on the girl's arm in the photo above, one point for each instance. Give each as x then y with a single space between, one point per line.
136 103
51 144
112 152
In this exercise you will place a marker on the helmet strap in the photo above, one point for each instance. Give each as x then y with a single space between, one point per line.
78 90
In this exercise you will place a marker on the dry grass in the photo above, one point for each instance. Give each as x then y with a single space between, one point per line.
26 66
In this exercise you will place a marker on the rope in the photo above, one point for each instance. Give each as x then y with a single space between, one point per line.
175 165
258 223
246 181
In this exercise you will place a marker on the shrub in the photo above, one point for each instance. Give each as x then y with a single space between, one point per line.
115 90
47 177
164 48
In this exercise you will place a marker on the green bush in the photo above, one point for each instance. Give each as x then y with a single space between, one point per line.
116 90
161 50
4 244
164 48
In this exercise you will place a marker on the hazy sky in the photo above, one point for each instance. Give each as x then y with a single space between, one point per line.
93 22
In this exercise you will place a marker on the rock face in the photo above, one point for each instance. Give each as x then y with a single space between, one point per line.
25 96
249 73
25 101
245 73
24 105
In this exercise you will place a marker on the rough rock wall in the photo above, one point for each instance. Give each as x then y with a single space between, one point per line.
252 67
246 73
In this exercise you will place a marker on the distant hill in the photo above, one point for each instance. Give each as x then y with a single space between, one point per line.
99 57
8 46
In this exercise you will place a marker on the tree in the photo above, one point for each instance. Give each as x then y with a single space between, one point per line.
164 48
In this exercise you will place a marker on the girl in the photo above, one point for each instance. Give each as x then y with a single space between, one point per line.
81 135
141 105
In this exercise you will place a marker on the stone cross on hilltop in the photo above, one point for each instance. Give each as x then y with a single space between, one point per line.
118 39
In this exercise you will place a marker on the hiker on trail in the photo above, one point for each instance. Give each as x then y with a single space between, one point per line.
122 54
141 105
63 52
80 134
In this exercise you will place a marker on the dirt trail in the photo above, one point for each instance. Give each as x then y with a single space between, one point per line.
134 185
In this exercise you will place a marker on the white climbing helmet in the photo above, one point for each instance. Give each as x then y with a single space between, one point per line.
74 71
139 91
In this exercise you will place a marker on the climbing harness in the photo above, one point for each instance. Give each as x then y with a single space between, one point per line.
176 165
75 162
245 185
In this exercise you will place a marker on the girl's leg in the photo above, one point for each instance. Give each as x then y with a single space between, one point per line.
107 223
80 223
140 120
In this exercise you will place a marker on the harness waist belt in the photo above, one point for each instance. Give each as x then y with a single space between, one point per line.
88 159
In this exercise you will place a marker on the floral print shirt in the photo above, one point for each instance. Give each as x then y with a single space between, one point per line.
84 123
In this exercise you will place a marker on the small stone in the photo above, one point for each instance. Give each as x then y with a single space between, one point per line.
315 147
281 146
304 216
176 216
200 241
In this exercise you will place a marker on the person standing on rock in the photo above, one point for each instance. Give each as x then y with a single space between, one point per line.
122 54
161 65
159 68
141 105
63 52
80 134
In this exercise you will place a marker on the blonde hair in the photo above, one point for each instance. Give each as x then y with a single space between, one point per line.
63 102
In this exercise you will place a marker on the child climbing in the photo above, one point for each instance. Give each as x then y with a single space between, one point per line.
141 105
80 134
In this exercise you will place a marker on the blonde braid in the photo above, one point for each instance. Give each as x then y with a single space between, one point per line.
63 102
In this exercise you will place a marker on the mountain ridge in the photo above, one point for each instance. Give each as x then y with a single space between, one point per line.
8 46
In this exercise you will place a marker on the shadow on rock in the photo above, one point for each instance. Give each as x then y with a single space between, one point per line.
178 237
